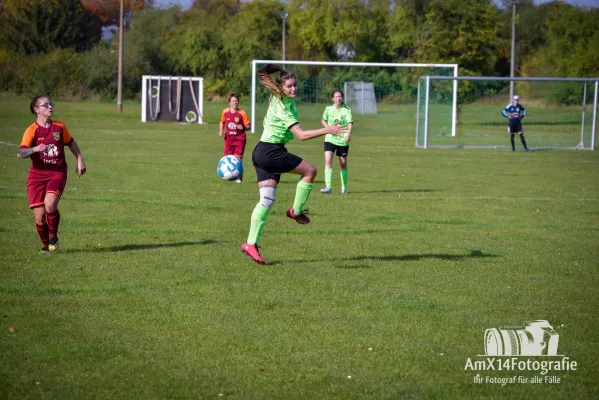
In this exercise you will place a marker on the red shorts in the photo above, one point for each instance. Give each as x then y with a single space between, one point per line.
234 149
41 183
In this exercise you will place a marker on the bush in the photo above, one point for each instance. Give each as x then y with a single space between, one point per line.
8 69
59 74
101 71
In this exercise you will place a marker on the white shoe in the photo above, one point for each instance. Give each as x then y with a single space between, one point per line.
326 190
238 181
344 191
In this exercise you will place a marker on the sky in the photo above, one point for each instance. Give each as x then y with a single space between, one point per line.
187 3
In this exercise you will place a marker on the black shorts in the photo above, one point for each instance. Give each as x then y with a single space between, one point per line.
271 160
340 151
515 126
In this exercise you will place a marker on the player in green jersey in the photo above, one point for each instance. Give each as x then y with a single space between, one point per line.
271 158
338 113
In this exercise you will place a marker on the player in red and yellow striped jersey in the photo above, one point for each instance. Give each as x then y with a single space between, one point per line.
44 141
233 124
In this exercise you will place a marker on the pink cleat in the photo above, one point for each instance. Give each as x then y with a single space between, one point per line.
302 218
252 251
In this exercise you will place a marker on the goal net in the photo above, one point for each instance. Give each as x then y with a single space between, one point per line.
172 98
561 112
377 93
359 96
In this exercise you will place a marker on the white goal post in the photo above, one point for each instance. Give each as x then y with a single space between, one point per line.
453 67
172 98
557 112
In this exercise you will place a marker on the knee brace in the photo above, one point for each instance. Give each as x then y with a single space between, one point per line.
267 196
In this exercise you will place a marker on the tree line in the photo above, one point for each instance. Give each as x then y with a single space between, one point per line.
55 46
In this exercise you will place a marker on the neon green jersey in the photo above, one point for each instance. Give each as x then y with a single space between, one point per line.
281 115
333 115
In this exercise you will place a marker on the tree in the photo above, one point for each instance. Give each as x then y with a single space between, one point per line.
361 30
245 43
145 38
408 29
218 8
108 11
572 43
529 34
34 26
312 29
195 45
463 32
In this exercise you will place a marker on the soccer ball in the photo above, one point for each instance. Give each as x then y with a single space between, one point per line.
230 168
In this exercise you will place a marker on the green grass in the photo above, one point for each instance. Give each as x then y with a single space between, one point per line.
482 125
393 285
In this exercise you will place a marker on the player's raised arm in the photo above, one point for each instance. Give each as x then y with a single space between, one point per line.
301 134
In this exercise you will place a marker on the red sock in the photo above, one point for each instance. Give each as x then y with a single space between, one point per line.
53 222
42 231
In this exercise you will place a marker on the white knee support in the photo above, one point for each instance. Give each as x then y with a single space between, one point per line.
267 196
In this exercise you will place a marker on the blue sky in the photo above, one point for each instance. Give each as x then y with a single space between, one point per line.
187 3
167 3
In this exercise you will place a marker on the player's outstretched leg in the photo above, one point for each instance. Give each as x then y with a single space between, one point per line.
297 212
53 219
328 181
252 251
300 218
42 231
53 245
523 141
344 181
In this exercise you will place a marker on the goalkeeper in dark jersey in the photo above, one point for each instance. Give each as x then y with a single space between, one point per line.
515 112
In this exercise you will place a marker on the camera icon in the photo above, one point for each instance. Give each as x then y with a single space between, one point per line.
536 338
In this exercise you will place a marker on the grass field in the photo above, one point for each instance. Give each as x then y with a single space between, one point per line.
386 294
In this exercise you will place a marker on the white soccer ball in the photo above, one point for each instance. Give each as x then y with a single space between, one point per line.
230 168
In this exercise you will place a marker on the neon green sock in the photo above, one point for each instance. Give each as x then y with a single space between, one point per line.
257 223
343 179
328 177
301 196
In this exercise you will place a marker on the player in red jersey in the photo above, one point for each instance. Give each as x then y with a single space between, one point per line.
44 141
233 124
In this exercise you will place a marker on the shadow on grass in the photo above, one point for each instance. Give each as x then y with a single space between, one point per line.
529 122
137 247
396 191
294 182
406 257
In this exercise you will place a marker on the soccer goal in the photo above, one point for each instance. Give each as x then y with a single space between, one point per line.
561 112
172 98
389 91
